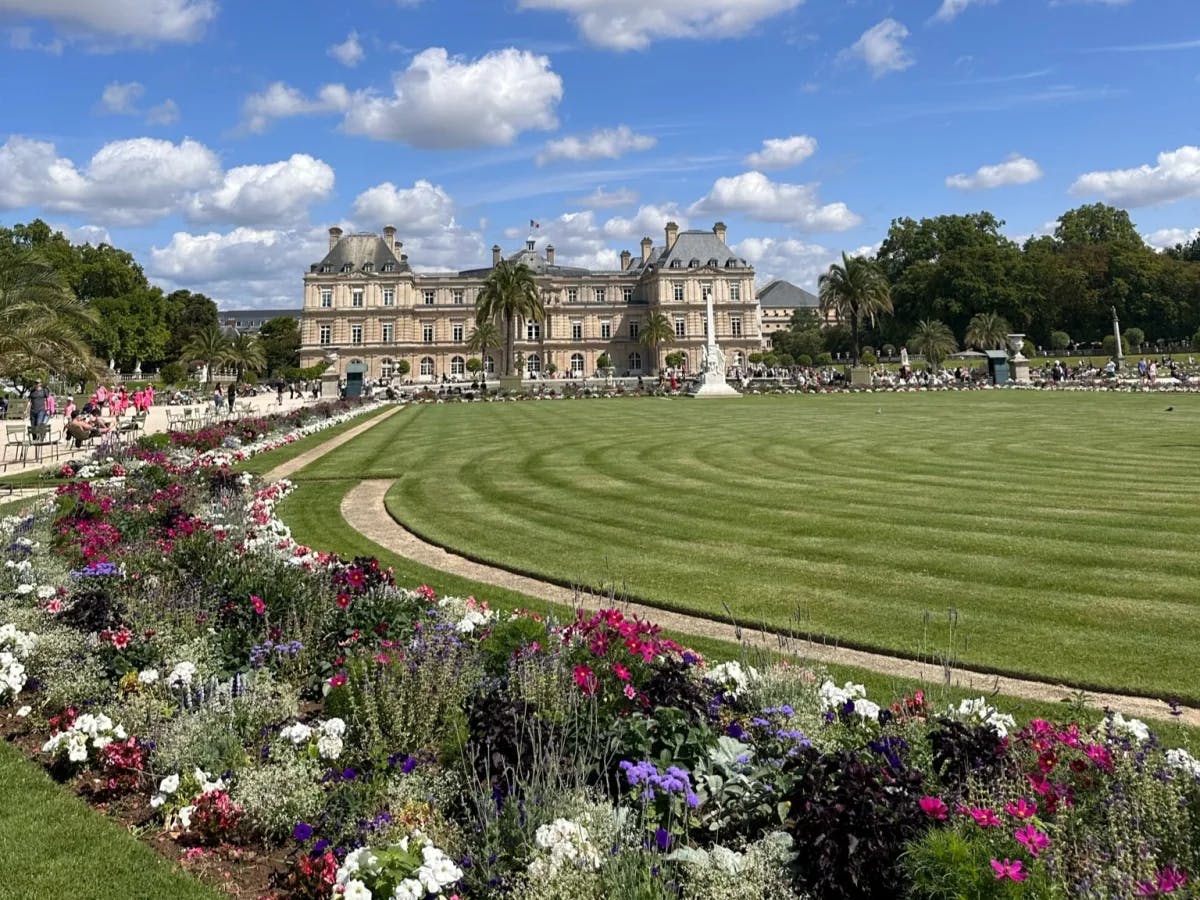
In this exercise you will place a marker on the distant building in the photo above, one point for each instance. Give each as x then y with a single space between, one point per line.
251 320
778 300
366 303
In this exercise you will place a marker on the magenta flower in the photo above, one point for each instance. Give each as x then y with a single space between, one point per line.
1032 839
984 818
1169 879
1011 869
934 807
1022 809
1099 754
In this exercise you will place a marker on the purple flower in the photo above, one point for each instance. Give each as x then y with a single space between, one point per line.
349 773
302 832
735 731
662 838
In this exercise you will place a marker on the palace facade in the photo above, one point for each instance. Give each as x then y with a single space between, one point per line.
365 303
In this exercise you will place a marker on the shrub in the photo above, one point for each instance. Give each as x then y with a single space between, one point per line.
1134 337
804 360
275 796
869 358
1060 340
824 359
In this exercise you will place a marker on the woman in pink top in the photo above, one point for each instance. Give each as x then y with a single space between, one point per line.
69 409
101 395
51 405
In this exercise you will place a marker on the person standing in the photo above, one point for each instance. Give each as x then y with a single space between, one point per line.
37 405
218 400
232 394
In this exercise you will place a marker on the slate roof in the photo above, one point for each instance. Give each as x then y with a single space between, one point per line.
780 294
357 250
699 246
537 263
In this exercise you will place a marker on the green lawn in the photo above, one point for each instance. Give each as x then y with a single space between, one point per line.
54 846
265 462
1062 528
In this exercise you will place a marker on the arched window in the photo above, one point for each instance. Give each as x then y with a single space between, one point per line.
576 363
387 367
458 366
533 364
635 362
489 365
426 366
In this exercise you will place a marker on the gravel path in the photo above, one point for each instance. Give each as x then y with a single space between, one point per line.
363 508
287 469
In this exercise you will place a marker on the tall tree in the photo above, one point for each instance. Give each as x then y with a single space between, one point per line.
245 353
1097 223
482 338
209 348
656 331
41 320
280 341
933 340
509 294
188 313
987 331
857 291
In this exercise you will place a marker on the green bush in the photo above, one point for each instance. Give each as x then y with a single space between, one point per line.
825 359
507 638
945 865
173 373
804 360
154 442
1110 345
869 358
1135 337
1060 340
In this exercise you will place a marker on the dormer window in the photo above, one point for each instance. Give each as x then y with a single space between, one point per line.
325 270
676 264
389 267
348 267
731 263
713 262
693 264
368 267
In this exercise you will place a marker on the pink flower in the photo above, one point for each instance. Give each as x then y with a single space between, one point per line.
1022 809
586 679
259 606
630 693
1032 839
934 807
984 818
1009 869
1166 881
337 680
1099 754
621 672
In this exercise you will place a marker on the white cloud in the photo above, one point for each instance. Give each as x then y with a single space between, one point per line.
633 24
601 199
143 21
1166 238
121 99
349 52
281 101
166 113
603 143
1014 170
1175 177
951 8
273 193
793 260
442 101
881 47
21 38
755 196
242 268
420 209
649 221
84 234
135 182
782 153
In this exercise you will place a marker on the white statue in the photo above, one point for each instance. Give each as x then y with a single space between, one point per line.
903 356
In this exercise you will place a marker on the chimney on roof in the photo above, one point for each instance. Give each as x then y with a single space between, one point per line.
403 258
672 233
647 247
495 255
389 236
335 235
719 231
549 254
626 259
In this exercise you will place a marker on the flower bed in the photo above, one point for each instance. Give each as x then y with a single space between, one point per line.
301 721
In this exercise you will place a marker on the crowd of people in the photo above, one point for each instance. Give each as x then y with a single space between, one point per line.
100 413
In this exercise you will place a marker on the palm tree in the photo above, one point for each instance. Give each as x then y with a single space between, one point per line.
484 336
245 353
856 291
41 321
933 340
656 330
987 331
209 347
510 293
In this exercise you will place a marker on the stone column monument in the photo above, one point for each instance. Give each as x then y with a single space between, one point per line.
1020 365
712 368
1117 335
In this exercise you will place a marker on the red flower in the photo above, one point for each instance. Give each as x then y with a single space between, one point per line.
934 807
620 671
586 679
1022 809
259 606
343 600
337 680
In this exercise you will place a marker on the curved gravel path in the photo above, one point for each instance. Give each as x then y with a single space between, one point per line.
296 463
364 510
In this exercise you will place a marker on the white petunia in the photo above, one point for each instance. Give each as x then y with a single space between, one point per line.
182 675
169 785
24 711
1135 728
357 890
335 727
148 676
409 889
329 746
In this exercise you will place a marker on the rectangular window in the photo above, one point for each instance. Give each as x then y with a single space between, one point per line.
600 295
705 290
427 332
577 331
356 334
572 295
457 331
326 337
389 297
677 287
735 291
606 329
429 295
356 298
735 326
389 331
533 331
627 294
680 326
326 298
458 297
634 329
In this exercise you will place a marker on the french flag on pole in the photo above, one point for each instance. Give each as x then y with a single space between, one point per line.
533 224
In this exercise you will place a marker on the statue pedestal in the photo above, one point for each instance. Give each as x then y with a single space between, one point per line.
1020 371
713 384
860 376
511 384
329 386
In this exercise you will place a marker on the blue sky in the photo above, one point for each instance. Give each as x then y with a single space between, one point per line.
219 140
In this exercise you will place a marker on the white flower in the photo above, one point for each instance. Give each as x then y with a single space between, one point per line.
169 785
185 817
24 711
1183 761
409 889
46 591
329 746
357 890
1135 728
979 712
297 734
732 676
148 676
334 727
24 589
182 675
